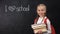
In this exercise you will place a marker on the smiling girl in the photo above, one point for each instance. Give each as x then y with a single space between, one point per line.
42 18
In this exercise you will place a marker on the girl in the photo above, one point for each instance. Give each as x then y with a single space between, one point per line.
42 18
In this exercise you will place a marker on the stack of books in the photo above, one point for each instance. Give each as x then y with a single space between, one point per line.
37 27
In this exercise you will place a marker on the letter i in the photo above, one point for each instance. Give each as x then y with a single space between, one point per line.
5 8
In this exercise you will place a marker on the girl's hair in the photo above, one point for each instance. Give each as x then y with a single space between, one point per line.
41 5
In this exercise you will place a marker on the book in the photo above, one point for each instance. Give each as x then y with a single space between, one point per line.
37 27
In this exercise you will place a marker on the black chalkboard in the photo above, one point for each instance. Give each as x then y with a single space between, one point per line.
16 16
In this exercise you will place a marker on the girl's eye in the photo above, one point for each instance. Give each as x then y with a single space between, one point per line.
38 10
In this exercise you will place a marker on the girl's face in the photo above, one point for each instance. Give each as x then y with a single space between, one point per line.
41 10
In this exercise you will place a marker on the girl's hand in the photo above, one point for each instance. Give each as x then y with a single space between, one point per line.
39 32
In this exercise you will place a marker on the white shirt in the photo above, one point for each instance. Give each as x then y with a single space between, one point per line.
41 20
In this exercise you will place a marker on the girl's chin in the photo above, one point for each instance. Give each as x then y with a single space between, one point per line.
41 15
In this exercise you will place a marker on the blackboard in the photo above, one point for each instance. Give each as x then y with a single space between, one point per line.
16 16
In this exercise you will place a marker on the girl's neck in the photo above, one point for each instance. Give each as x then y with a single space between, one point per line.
42 16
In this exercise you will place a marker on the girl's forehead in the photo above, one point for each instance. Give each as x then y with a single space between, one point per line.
42 6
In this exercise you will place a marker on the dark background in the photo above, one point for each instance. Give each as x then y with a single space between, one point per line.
19 22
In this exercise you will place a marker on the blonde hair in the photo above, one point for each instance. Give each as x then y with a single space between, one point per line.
42 5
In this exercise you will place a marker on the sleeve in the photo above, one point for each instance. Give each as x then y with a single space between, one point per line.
48 26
